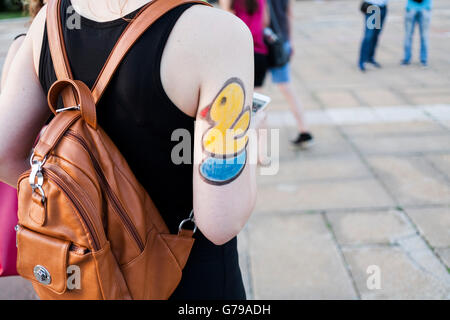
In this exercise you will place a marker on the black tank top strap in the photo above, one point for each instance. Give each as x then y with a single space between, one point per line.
19 35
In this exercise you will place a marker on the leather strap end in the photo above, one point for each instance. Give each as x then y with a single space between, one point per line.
84 95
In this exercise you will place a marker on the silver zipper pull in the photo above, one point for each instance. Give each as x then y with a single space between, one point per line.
17 228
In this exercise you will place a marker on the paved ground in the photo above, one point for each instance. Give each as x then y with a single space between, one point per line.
374 192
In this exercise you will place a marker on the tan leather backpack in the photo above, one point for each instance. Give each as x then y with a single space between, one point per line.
87 228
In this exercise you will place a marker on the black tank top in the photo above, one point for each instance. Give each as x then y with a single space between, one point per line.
140 118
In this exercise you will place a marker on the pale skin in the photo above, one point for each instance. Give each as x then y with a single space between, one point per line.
206 48
13 49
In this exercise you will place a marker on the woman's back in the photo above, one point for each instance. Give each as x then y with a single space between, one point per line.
139 118
135 111
163 84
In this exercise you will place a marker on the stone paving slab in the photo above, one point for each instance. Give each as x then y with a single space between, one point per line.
362 228
328 142
338 99
434 99
16 288
434 224
377 97
354 194
244 262
418 251
441 162
439 113
445 256
401 277
403 145
407 117
394 129
446 124
425 90
411 180
318 169
304 261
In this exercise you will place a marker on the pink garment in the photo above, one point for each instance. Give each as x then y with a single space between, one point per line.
8 220
255 23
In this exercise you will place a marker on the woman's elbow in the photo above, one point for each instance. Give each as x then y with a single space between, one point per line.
221 228
11 167
5 159
220 236
4 169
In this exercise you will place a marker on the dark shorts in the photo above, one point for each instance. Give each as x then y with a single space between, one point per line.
261 66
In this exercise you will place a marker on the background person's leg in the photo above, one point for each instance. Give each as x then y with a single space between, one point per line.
409 33
294 103
424 25
377 31
304 137
281 76
366 44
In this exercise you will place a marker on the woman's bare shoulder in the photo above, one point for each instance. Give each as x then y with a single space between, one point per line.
204 42
36 33
206 37
205 26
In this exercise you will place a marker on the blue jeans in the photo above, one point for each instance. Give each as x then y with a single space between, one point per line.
422 17
373 27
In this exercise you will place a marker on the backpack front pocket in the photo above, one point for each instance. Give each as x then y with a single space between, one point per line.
58 269
46 266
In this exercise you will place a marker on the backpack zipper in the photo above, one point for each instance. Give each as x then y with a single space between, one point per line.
69 194
81 251
67 187
117 206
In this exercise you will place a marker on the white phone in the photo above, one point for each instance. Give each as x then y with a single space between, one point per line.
260 102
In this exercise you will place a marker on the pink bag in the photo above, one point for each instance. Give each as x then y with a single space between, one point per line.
8 220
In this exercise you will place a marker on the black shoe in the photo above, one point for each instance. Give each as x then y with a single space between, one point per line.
303 139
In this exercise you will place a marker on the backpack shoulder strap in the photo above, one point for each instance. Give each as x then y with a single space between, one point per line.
131 34
58 50
140 23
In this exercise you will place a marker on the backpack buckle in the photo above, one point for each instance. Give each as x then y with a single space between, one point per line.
190 219
42 275
37 177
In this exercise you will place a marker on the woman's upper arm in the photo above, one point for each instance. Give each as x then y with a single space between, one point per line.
224 180
12 51
23 107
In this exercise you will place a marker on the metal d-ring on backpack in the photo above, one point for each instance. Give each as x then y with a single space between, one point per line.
82 211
